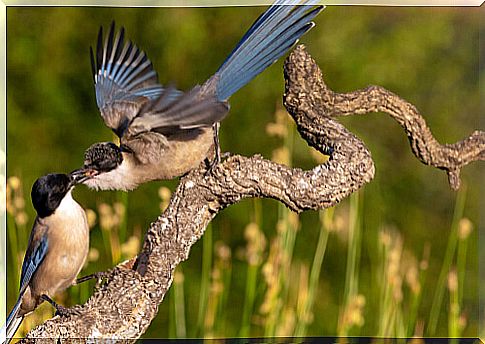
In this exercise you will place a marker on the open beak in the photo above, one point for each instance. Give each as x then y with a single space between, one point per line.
80 175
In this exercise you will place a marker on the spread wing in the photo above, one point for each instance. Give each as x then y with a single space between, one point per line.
35 254
185 111
124 80
149 132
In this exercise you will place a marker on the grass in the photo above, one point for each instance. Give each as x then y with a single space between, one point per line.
352 301
205 280
446 268
177 326
305 316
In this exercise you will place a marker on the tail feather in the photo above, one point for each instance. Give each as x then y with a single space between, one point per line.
13 322
257 31
273 33
282 43
249 71
265 38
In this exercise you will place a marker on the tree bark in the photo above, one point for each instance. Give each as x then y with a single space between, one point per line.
123 306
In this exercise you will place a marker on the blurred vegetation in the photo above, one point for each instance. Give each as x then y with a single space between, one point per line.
398 258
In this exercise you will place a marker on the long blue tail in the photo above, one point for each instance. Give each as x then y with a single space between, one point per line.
12 324
271 35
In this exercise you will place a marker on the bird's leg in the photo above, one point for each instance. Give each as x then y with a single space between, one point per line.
60 310
98 275
217 146
217 150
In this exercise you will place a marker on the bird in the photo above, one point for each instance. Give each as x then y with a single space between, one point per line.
57 247
164 132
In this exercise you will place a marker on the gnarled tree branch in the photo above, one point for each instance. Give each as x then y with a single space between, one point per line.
448 157
124 305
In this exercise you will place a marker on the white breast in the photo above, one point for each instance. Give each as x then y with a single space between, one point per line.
69 207
68 248
120 178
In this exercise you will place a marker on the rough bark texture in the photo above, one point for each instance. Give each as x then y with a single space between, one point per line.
123 306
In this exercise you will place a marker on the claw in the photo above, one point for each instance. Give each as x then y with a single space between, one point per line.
65 312
60 310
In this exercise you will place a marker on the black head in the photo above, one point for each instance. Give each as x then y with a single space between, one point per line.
48 192
103 157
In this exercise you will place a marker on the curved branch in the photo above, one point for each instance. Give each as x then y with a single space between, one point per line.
448 157
124 305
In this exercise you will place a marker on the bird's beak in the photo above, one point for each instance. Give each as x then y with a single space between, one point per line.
80 175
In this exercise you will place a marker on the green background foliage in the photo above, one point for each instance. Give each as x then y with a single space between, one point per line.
428 56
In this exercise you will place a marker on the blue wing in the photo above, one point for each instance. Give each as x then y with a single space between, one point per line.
271 35
124 80
187 111
35 254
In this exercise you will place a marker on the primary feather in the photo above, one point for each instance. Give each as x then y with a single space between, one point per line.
124 79
131 100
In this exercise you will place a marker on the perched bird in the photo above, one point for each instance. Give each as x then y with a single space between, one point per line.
57 248
164 132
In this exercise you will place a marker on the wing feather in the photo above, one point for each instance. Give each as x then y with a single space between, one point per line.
35 254
131 100
174 111
124 79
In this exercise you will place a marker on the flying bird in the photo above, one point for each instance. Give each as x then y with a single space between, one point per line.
57 248
164 132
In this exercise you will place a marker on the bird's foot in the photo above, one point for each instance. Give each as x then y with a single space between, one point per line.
65 312
60 310
216 161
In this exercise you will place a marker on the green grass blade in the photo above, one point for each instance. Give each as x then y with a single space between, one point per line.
179 304
417 295
172 331
207 248
251 281
303 322
447 261
353 256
